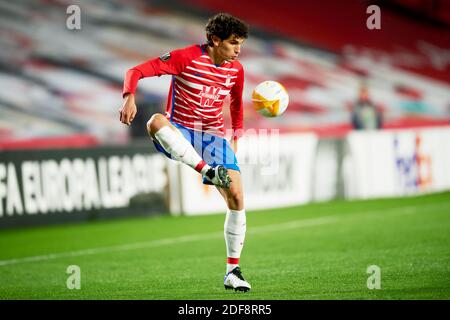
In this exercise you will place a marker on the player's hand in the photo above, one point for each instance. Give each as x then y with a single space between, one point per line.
128 110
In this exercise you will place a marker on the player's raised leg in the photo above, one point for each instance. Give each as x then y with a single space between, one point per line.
175 144
234 230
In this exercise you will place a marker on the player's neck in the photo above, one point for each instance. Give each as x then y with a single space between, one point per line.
215 58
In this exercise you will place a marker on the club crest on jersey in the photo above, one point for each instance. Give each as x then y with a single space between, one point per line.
208 96
228 81
165 56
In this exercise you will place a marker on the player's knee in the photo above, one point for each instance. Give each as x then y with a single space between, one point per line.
155 123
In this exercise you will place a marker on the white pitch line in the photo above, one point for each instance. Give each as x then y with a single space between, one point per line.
207 236
168 241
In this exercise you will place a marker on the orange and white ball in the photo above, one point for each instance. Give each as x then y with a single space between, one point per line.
270 99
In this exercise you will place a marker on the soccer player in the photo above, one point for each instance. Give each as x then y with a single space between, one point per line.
202 76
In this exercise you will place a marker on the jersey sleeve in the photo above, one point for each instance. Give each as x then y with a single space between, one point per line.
172 63
236 105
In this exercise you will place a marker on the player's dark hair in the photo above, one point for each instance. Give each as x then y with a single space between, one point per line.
223 25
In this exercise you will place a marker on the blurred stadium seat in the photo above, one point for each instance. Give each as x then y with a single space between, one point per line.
58 82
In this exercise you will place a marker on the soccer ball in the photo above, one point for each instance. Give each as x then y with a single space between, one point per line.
270 99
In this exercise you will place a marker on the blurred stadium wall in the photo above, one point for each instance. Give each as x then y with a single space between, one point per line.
61 90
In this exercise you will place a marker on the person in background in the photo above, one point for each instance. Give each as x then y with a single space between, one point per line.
365 115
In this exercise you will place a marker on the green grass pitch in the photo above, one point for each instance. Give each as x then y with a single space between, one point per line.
317 251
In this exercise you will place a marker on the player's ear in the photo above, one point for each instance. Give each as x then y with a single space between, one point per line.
215 40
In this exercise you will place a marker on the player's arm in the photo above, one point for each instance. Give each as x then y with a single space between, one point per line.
237 109
169 63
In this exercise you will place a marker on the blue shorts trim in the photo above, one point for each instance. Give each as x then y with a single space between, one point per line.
213 149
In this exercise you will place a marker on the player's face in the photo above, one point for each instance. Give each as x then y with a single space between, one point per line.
228 49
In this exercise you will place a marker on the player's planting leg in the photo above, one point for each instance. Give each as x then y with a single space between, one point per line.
234 230
180 149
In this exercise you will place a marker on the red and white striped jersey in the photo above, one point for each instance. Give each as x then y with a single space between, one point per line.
198 88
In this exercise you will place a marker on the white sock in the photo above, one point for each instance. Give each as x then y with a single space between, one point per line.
234 231
180 149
